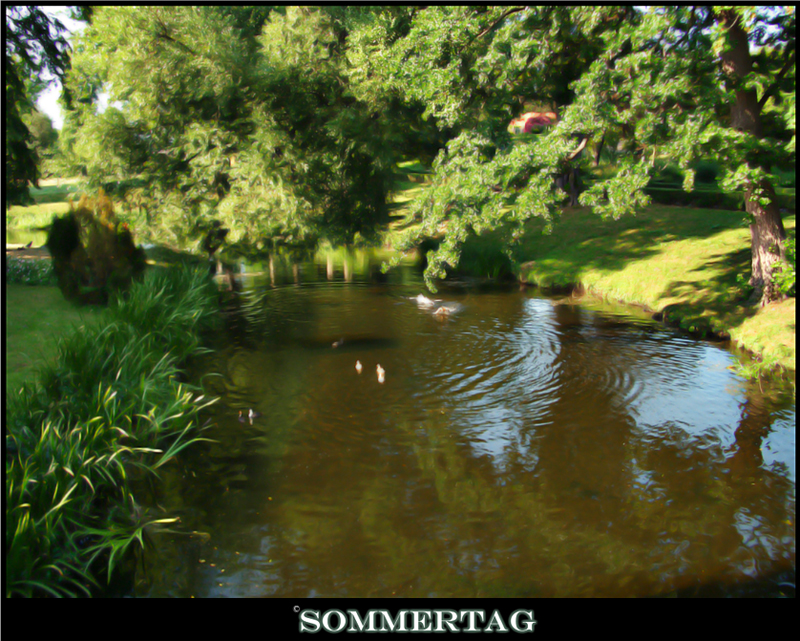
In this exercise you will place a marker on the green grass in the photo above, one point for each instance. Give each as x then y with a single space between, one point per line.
51 199
685 263
34 216
36 316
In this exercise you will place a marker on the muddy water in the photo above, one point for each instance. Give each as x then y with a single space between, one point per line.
519 446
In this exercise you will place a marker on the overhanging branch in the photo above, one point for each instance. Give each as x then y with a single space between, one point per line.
579 149
493 25
779 76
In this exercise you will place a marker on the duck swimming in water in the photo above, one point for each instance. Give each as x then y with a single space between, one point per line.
381 374
359 367
338 343
251 414
424 301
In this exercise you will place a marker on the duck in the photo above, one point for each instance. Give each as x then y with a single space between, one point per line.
443 311
381 374
338 343
359 367
424 301
251 414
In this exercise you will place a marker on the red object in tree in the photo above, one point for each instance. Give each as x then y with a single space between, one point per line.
533 120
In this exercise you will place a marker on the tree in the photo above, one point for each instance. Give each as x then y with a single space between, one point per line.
258 130
34 42
43 136
675 82
771 71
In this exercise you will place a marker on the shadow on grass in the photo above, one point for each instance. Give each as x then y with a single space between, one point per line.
715 304
582 240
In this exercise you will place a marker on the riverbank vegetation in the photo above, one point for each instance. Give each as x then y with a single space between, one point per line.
687 266
108 409
292 128
287 124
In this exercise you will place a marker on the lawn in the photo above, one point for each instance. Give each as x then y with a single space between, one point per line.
687 264
35 317
51 199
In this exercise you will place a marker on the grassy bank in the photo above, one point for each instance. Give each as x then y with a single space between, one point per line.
106 408
51 198
36 318
685 264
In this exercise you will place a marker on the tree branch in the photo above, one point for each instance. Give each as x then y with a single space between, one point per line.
579 149
493 25
164 35
774 86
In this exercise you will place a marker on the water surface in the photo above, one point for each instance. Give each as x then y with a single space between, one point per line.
519 446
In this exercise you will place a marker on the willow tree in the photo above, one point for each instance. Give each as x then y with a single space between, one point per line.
234 114
679 82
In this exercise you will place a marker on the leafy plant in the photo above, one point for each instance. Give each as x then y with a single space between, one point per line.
93 255
784 273
110 405
29 272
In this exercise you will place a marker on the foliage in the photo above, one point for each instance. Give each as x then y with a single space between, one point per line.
93 255
34 42
43 135
29 272
651 83
109 409
785 272
259 130
284 123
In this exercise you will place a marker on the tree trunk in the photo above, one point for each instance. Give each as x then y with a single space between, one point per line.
767 235
766 231
599 151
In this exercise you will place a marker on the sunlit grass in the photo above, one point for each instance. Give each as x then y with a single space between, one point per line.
687 263
34 216
51 198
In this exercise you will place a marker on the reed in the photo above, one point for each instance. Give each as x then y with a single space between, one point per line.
108 410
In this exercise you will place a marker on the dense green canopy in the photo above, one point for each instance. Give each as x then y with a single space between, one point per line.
286 123
234 113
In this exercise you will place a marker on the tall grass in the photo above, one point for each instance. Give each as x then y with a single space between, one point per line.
110 409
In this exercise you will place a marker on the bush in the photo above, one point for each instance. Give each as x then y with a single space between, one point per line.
110 406
93 255
29 272
701 198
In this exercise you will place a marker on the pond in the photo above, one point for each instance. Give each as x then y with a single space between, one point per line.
519 446
24 236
